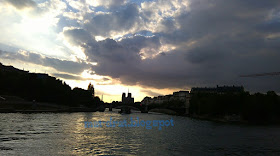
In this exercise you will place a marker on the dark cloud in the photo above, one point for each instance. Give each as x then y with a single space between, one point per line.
121 20
150 93
167 25
219 18
21 4
77 36
139 42
111 51
105 79
272 26
66 22
215 41
68 76
229 39
60 65
71 77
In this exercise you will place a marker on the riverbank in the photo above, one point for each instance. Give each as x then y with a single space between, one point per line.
164 111
46 110
228 119
40 107
235 119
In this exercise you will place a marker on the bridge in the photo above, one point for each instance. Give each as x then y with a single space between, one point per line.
144 108
129 107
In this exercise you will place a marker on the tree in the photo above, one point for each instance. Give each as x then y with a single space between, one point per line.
91 89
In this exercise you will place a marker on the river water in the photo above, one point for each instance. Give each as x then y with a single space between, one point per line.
65 134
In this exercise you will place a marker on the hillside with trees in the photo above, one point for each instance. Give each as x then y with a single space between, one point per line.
44 88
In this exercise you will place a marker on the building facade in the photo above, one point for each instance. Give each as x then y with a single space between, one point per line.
176 96
218 89
127 100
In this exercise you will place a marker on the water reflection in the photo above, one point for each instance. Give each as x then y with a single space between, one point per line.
65 134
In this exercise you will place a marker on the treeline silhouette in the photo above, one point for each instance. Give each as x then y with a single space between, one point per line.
43 88
175 105
257 107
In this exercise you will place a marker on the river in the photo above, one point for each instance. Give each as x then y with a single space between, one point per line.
65 134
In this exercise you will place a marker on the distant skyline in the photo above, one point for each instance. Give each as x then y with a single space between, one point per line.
152 47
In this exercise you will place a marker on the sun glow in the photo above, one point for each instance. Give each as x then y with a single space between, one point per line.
90 74
37 25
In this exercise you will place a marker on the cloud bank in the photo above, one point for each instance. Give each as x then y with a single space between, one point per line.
173 44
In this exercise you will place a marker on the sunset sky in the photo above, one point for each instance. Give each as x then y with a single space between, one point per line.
151 47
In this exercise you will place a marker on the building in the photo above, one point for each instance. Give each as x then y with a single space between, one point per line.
180 96
127 100
218 89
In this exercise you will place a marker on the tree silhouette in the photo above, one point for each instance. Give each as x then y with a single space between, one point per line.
43 88
91 89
